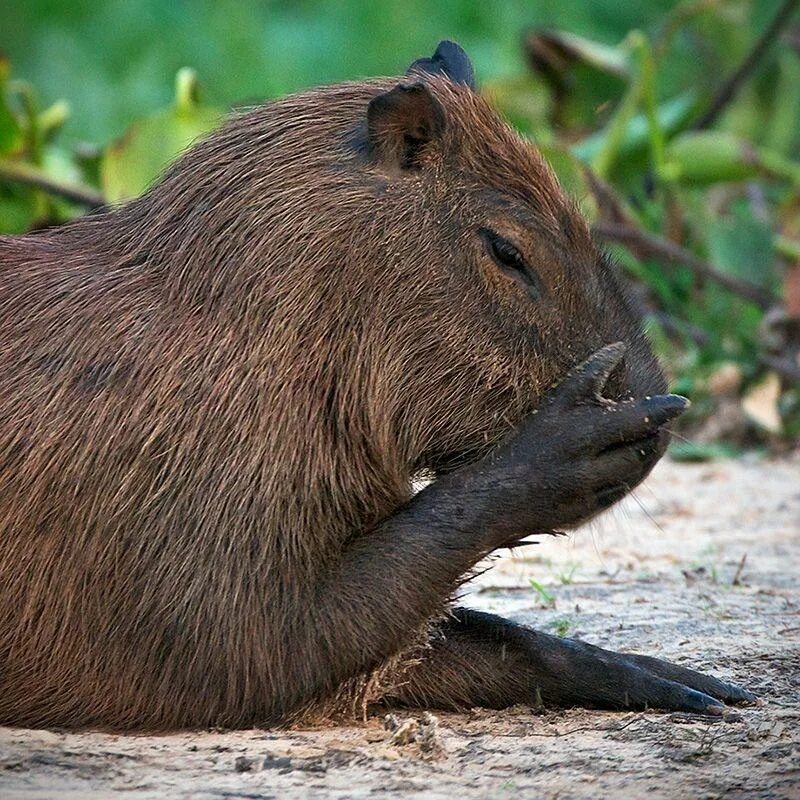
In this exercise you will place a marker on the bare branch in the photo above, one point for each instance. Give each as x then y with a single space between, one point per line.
646 244
30 176
730 88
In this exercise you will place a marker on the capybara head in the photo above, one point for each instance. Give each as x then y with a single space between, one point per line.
409 242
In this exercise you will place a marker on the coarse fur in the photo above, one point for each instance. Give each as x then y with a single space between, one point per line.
211 393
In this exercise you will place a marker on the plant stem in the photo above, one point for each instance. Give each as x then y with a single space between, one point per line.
650 245
31 176
730 88
624 113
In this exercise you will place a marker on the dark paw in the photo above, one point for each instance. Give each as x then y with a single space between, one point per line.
704 684
594 677
580 452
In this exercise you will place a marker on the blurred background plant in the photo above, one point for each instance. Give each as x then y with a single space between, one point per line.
674 124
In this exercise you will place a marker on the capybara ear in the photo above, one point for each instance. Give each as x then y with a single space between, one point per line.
449 60
402 123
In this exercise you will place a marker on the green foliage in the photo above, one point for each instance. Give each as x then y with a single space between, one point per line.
561 626
28 154
10 129
546 597
691 451
130 164
614 92
114 59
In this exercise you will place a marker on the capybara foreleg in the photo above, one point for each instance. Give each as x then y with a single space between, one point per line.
483 660
468 663
390 581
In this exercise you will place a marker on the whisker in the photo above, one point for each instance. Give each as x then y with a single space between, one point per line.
679 436
647 513
594 531
646 485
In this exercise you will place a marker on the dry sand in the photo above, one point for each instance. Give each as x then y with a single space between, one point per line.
666 575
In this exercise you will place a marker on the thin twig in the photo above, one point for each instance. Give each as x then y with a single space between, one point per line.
612 211
676 328
738 575
729 89
30 176
792 38
648 244
609 203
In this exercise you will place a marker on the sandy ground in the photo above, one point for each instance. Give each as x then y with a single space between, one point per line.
701 568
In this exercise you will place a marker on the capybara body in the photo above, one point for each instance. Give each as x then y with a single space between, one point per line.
215 398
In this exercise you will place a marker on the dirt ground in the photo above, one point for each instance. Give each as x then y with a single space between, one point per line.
701 567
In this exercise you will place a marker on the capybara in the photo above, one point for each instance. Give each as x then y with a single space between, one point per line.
216 400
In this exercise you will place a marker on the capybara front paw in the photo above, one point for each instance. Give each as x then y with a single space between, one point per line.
580 452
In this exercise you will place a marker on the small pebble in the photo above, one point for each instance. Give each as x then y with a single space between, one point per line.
276 762
242 764
405 734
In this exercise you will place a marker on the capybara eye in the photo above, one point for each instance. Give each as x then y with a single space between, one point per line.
508 257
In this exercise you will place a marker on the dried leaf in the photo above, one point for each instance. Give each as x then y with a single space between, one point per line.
761 403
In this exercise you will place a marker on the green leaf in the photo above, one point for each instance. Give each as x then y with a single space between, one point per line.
10 132
561 626
692 451
568 169
52 119
132 163
545 596
17 210
701 158
781 127
671 115
742 245
524 101
705 157
570 46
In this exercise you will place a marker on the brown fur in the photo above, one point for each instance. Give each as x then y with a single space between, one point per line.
210 392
